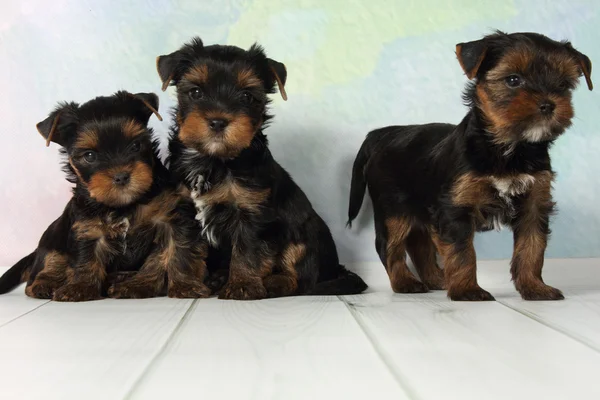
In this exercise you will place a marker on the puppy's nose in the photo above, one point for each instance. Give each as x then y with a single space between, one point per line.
218 125
547 107
121 179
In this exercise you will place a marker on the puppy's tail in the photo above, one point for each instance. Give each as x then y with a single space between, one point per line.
347 282
15 275
358 184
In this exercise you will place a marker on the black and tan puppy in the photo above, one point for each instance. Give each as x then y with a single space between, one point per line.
248 205
125 215
434 185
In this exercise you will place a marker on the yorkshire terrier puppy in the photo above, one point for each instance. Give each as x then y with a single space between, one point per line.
248 205
125 214
434 185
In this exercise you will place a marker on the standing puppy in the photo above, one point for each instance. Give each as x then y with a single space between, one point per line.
247 204
125 214
434 185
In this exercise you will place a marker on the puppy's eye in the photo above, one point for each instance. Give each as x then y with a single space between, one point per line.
196 94
513 81
247 98
90 156
135 146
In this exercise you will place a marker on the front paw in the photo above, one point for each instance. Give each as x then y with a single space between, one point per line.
118 228
42 288
540 291
474 294
129 290
217 279
188 291
74 292
244 290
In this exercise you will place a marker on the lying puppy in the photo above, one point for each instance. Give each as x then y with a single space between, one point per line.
247 204
434 185
125 215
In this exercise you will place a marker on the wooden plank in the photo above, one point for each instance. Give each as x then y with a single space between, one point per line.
292 348
92 350
578 316
15 304
459 350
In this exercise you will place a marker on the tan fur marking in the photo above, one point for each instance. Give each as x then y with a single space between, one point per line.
87 140
246 78
132 128
197 74
233 193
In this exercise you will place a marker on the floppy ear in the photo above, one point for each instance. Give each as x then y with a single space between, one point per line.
470 56
166 67
150 101
60 125
586 68
280 74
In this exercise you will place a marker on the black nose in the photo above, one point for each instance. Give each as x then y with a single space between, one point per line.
121 179
218 125
547 107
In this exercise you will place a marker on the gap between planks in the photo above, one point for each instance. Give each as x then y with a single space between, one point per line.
162 350
550 325
402 382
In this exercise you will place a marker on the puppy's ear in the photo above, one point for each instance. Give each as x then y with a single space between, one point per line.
586 68
280 75
150 101
61 124
166 67
470 56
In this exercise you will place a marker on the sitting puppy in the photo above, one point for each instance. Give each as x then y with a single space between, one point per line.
434 185
248 205
124 215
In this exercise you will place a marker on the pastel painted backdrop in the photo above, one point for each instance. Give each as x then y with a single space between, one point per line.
353 66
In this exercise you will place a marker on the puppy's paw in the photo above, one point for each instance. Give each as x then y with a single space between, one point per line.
128 290
199 187
118 228
74 292
188 291
434 279
41 289
217 279
476 294
244 290
540 291
280 285
409 286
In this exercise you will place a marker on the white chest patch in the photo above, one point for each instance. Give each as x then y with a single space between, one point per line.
512 186
202 211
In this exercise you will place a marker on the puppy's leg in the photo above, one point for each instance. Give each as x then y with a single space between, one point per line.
285 283
246 271
85 279
454 242
187 271
421 250
531 229
393 243
174 264
52 275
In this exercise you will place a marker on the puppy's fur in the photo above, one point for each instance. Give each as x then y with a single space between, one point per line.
248 205
434 185
125 214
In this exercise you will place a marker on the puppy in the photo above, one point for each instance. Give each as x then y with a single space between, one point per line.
125 214
434 185
248 205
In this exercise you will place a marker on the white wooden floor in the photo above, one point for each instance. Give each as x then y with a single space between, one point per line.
378 345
